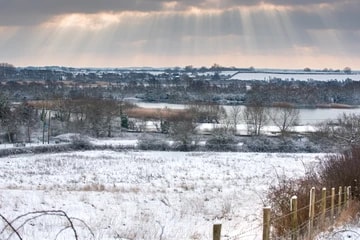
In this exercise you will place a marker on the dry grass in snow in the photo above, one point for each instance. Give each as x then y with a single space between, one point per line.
145 195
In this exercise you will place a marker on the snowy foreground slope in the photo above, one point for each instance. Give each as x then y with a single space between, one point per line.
144 195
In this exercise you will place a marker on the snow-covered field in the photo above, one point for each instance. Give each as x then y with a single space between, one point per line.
301 76
144 195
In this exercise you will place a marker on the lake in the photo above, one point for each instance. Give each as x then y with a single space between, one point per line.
307 116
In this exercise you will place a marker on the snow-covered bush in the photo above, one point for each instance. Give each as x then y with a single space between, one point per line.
151 143
184 147
79 142
262 144
274 144
222 142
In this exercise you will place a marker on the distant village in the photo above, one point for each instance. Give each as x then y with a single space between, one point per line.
216 84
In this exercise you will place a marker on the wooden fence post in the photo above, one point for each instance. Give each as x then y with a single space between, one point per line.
266 223
339 201
332 204
323 206
355 189
216 231
311 211
348 193
345 197
294 219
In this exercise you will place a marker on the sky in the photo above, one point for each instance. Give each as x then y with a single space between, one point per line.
156 33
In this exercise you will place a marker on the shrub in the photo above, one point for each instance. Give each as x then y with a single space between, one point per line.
274 144
262 144
165 126
333 171
12 151
279 198
341 169
184 147
124 121
221 142
153 144
79 142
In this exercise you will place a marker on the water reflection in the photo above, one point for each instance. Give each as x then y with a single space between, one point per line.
307 116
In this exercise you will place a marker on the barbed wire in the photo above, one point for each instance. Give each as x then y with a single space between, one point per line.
334 210
246 233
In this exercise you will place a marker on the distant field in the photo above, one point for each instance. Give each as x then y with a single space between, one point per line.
301 76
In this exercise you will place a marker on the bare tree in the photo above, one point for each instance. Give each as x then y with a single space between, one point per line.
96 117
43 119
347 70
7 118
235 116
205 112
284 117
182 130
345 130
4 107
110 112
62 108
27 117
255 116
6 70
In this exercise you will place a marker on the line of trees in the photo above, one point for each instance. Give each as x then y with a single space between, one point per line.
13 118
176 86
99 117
256 115
104 117
93 116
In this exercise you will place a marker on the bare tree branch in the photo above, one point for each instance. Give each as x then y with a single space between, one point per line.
37 214
11 226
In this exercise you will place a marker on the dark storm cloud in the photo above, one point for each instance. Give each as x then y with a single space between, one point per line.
298 2
243 26
24 12
344 14
261 29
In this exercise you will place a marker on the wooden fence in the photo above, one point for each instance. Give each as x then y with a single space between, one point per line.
321 213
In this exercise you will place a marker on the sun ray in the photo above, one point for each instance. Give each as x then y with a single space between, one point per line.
248 27
207 31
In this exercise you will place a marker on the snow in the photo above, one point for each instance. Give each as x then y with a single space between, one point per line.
294 76
115 142
350 232
161 105
136 194
242 129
